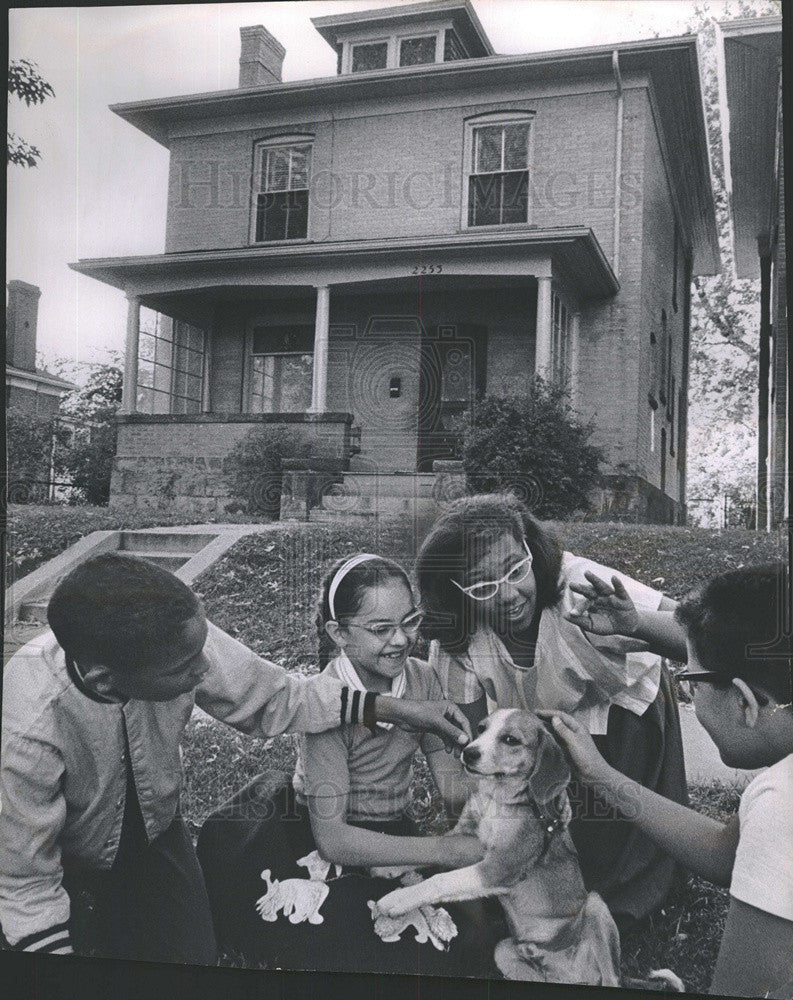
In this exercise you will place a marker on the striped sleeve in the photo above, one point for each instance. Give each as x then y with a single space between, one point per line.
53 940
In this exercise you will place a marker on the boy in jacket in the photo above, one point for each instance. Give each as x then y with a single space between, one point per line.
93 715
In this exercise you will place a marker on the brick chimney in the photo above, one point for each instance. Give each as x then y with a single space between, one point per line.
261 57
21 322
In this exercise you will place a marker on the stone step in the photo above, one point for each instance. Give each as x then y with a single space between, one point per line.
377 505
35 611
168 560
363 484
164 541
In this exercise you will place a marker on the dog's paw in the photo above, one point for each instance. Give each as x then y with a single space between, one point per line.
669 979
393 871
400 901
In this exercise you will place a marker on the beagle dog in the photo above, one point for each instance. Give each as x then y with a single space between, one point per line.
520 811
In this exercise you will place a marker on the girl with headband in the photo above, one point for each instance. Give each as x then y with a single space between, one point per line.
348 811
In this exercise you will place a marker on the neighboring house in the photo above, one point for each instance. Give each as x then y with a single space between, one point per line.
752 129
357 257
31 390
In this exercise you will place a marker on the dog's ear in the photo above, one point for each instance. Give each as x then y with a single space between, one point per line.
550 775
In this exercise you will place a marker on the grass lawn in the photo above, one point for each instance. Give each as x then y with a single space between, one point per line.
263 592
38 532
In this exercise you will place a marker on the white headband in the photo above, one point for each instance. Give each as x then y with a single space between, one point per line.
341 572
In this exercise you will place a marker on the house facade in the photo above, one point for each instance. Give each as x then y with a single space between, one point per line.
356 258
31 393
751 50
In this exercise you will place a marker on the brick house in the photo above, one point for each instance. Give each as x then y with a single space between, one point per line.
752 81
357 257
31 391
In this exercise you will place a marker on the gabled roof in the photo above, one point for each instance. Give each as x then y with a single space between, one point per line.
752 53
462 14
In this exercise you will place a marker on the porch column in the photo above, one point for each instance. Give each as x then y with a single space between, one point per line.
542 353
129 389
574 357
319 383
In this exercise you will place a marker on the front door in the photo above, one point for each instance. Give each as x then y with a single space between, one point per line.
453 367
384 391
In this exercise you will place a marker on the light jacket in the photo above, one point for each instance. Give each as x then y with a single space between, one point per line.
63 768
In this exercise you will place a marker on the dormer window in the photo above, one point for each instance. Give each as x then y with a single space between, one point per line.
281 181
415 51
368 56
405 36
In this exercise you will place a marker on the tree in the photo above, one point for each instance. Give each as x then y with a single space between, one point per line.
25 82
91 412
722 440
30 439
533 446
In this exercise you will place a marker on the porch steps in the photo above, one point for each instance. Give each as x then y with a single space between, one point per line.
363 496
170 550
185 551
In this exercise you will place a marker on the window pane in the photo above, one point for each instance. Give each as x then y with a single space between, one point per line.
414 51
145 373
162 352
295 381
193 390
484 200
162 378
487 146
161 402
452 49
146 347
365 57
283 340
516 197
516 146
148 320
277 169
297 215
195 364
143 404
300 160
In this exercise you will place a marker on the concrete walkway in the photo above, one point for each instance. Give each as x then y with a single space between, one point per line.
703 763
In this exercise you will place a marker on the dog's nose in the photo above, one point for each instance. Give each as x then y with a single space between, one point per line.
471 754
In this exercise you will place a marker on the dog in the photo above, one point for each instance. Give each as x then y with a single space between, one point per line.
520 810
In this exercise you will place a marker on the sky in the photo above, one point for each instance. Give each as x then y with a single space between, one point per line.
100 189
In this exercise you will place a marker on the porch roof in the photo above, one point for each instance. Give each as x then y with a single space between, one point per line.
575 251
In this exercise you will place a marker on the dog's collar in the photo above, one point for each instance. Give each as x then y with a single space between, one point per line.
551 825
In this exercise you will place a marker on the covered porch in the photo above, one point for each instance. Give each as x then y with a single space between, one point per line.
372 357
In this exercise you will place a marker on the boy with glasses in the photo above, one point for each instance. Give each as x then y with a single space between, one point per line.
737 632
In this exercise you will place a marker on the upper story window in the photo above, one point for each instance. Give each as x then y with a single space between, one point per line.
416 48
415 51
498 171
369 55
452 47
281 178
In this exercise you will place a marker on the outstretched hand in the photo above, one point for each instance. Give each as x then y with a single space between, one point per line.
443 718
580 746
609 609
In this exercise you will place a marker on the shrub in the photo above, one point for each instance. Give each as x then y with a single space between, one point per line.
29 444
534 446
88 460
253 467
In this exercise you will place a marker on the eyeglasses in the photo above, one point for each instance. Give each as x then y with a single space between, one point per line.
517 574
723 681
385 631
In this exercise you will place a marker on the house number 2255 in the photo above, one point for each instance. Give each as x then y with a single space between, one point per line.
427 269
